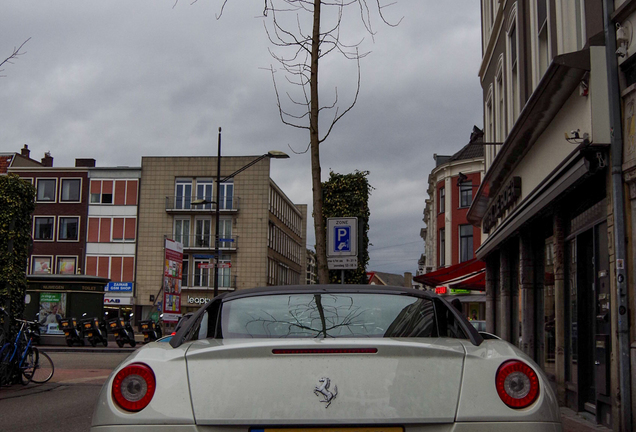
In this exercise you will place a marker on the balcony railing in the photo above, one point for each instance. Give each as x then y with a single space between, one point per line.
184 204
201 281
206 242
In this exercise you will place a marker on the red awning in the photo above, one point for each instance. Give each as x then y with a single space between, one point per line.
476 282
462 270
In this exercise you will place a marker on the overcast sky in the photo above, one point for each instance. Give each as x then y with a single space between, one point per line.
117 80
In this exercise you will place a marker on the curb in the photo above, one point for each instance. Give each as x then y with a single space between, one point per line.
89 349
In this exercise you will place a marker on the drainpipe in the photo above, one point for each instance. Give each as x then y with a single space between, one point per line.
619 218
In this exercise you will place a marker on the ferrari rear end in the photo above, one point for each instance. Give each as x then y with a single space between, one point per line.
328 361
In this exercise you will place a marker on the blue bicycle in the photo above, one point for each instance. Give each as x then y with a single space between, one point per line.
22 358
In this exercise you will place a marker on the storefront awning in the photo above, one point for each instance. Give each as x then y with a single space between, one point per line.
476 282
453 274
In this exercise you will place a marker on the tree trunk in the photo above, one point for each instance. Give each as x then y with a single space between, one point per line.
319 224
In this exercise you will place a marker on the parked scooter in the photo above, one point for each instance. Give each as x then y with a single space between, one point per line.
93 332
72 331
122 331
150 329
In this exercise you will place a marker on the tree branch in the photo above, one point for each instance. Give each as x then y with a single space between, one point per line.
14 56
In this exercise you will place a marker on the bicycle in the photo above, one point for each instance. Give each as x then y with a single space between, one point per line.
21 357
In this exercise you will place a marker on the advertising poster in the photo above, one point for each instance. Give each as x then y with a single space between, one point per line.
172 280
52 310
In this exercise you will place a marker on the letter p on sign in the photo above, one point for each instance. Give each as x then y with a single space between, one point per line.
343 238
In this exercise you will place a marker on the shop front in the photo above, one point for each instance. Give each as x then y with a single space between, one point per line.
119 300
49 298
192 300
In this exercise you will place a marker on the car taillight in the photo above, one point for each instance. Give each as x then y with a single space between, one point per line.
134 387
517 384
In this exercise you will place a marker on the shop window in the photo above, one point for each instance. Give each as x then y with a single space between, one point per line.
41 265
66 265
46 190
201 273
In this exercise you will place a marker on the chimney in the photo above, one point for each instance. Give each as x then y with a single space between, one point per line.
25 151
408 279
85 163
47 160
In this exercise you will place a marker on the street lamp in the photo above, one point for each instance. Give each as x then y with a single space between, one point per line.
272 154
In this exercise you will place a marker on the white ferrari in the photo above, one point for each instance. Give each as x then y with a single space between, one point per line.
327 358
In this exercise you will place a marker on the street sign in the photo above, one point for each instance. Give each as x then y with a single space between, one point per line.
342 263
203 256
225 265
224 240
342 237
206 265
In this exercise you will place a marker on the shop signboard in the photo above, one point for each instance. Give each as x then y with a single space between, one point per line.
121 287
172 280
118 301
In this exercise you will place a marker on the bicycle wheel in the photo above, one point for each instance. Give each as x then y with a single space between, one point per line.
44 368
28 364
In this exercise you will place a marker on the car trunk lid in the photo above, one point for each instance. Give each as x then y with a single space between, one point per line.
308 381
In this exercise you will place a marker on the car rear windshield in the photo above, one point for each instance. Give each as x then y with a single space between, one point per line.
328 316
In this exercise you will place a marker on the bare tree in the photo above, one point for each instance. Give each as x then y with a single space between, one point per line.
304 48
305 42
16 53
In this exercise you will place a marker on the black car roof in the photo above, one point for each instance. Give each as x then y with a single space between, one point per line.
298 289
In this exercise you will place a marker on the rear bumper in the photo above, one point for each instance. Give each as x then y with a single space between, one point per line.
457 427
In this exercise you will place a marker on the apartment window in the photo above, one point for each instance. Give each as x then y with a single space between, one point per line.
201 273
579 20
226 196
500 97
543 39
224 272
43 227
183 194
46 190
69 228
442 200
465 242
225 233
71 190
185 267
66 265
203 233
204 192
442 247
466 194
513 67
41 265
182 231
101 191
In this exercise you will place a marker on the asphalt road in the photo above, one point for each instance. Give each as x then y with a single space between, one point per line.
64 404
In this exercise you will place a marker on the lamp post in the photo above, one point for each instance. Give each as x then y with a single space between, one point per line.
273 154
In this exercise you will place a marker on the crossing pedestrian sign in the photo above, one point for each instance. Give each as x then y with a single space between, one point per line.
342 237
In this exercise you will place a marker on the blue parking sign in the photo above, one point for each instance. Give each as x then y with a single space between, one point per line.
342 235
